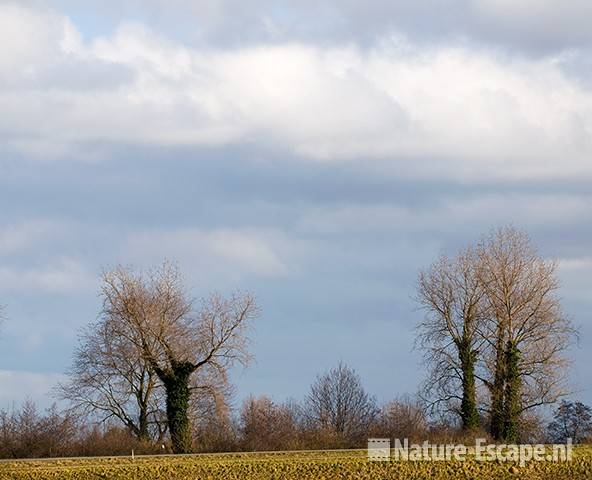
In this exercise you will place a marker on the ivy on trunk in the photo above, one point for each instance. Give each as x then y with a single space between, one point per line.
468 409
176 384
512 394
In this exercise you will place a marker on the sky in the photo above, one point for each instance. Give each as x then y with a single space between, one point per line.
317 154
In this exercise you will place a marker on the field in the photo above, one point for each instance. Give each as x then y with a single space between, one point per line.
289 466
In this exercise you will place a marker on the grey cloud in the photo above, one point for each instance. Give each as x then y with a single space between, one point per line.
535 27
345 274
75 75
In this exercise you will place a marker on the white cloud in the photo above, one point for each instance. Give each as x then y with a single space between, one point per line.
33 39
17 386
438 111
66 276
227 254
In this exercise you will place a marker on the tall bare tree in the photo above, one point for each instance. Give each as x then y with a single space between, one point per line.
338 402
494 315
526 332
155 313
450 293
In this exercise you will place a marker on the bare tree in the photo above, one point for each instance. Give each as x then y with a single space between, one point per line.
155 313
450 293
571 420
526 332
404 417
494 315
338 402
110 379
210 413
264 425
25 432
216 431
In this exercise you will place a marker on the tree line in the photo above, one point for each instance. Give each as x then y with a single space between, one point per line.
154 367
336 413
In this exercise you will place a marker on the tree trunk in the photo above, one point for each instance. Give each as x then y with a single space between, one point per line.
177 406
468 409
143 434
512 394
497 389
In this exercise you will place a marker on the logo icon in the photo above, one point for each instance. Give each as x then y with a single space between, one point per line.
379 449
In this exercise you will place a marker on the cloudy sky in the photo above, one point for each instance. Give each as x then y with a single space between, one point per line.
315 153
